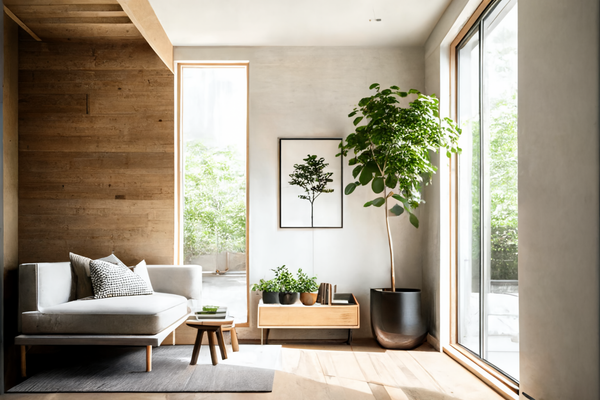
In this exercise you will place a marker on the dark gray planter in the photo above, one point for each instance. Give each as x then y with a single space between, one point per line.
396 318
288 298
271 297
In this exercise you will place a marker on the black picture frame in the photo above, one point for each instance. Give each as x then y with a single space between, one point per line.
329 207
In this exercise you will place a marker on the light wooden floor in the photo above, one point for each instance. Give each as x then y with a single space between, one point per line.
328 372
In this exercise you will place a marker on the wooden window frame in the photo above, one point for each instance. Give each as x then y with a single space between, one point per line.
179 170
505 386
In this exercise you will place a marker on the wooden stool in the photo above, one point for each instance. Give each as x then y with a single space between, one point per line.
234 340
214 330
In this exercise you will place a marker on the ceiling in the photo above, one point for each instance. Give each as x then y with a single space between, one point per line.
72 19
298 22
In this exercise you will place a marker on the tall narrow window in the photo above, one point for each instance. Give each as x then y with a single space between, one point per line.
214 104
487 257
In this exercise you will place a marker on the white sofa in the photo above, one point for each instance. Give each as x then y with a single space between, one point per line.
49 313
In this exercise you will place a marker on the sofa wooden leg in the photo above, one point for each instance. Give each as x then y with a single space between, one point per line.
24 361
148 358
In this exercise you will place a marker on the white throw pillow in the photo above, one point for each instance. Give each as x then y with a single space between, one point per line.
111 280
142 270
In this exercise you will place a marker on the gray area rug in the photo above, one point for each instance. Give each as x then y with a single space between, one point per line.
122 369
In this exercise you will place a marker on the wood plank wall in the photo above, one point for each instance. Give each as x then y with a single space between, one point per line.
96 148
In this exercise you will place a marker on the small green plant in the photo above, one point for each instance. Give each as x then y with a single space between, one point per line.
285 279
310 177
305 283
270 286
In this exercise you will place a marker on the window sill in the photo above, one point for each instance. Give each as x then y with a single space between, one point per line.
492 378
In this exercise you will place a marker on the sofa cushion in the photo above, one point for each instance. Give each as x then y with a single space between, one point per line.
131 315
142 271
110 280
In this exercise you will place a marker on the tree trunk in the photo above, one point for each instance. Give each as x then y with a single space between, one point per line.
389 235
311 215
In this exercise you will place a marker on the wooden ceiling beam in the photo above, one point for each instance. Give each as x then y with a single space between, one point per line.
72 14
21 24
142 15
56 2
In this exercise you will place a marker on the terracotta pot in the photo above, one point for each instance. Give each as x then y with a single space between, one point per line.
308 299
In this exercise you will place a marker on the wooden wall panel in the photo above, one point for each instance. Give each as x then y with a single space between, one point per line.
96 151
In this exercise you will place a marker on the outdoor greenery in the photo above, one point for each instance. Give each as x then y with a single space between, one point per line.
504 190
391 151
310 177
214 217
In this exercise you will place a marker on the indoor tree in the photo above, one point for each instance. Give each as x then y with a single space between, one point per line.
310 177
391 150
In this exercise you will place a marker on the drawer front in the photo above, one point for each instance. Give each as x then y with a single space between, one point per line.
346 316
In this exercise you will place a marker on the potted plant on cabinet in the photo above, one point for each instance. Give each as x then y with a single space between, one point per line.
391 154
307 287
269 289
288 286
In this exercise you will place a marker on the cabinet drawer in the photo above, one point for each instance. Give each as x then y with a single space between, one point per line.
317 317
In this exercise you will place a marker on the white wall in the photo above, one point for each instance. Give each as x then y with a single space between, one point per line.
558 198
308 92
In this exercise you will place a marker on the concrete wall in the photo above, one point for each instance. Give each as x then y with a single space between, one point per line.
308 92
558 198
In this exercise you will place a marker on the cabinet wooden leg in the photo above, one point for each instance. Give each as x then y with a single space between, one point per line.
148 358
234 340
197 346
212 344
24 361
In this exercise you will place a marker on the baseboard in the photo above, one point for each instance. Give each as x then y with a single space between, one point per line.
434 342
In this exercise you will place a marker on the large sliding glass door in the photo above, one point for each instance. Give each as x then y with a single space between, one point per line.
487 256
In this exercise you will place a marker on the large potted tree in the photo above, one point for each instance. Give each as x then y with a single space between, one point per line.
390 153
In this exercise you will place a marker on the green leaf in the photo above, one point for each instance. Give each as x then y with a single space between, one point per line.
397 210
350 188
414 220
377 185
386 92
391 181
356 171
352 114
373 86
378 202
399 198
352 161
414 91
364 101
357 120
394 87
365 176
368 203
403 94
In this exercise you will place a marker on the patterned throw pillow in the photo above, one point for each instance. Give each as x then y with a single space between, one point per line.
110 280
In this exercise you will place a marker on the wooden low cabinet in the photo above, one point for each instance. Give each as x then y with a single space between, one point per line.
299 316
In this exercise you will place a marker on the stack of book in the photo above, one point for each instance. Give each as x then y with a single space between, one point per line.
221 313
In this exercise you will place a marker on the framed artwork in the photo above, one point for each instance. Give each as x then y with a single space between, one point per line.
310 183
